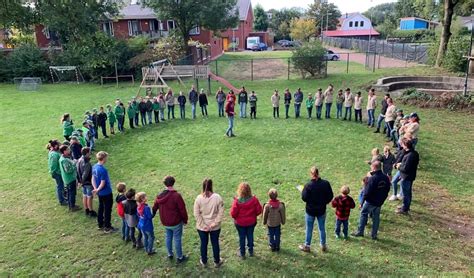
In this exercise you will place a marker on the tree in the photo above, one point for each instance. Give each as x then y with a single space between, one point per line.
214 15
280 22
16 14
380 13
326 15
448 10
260 22
302 29
405 8
309 58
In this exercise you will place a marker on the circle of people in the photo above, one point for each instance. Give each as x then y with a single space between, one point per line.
70 166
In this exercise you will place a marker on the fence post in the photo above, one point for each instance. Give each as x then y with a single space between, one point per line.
415 59
217 72
251 69
347 64
403 50
288 68
392 49
375 59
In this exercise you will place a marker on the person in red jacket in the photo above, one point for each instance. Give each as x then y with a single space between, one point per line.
244 211
343 204
173 216
121 188
229 109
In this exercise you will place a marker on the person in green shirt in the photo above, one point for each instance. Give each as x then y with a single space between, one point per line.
68 174
156 109
54 170
68 126
131 114
80 135
120 114
309 105
111 117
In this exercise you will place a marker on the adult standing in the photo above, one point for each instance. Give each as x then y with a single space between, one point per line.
162 102
149 110
220 98
243 99
339 102
371 105
182 105
137 111
413 127
230 110
275 99
287 98
103 188
298 100
348 102
55 171
142 107
193 99
317 194
383 110
169 98
390 116
203 103
408 168
208 212
374 196
328 98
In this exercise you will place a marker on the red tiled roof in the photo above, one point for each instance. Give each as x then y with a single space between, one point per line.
350 33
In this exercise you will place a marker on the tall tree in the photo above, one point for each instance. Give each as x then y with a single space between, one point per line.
302 29
16 14
448 12
405 8
260 22
214 15
380 13
281 19
325 15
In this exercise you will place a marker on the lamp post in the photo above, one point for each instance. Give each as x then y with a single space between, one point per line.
469 58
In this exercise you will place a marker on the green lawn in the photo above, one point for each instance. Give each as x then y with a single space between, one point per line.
40 238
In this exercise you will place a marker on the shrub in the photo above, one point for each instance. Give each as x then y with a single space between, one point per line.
451 101
309 59
412 35
25 61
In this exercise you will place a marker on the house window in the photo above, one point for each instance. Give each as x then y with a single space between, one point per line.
195 31
362 24
154 25
108 28
133 28
47 33
171 25
160 25
356 24
350 23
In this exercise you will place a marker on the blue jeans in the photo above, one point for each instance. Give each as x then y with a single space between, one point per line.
162 113
348 111
143 118
182 111
220 108
345 228
395 180
136 119
59 187
193 110
368 209
204 237
407 194
71 194
170 111
310 226
380 119
339 110
274 235
243 109
245 233
328 110
297 110
125 230
230 131
174 234
148 240
319 110
150 117
358 115
371 117
204 110
287 110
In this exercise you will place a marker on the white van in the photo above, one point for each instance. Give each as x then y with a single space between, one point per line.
251 41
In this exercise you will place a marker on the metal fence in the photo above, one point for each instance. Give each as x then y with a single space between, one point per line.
409 52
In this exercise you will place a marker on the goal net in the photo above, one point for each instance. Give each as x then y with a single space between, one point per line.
27 83
65 74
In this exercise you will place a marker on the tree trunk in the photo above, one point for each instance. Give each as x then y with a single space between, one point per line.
446 32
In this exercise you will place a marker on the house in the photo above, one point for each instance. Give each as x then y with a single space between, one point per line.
467 21
416 23
238 35
353 25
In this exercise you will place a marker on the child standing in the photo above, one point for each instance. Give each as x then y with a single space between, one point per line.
121 188
276 104
76 148
84 177
142 108
95 123
111 117
274 216
253 105
149 109
287 99
102 121
131 114
170 102
309 105
203 103
119 114
145 222
348 101
131 218
339 102
68 126
156 110
388 160
343 204
68 174
375 156
161 101
358 107
182 105
318 102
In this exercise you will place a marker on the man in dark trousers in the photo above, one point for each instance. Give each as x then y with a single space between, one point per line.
317 194
383 110
243 99
373 198
407 167
193 99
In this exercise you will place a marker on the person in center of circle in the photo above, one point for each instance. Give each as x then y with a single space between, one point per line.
209 211
230 110
243 99
245 209
317 194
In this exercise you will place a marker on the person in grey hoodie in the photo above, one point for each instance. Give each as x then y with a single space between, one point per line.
131 218
84 177
193 99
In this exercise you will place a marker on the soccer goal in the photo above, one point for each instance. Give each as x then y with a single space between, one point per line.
27 84
65 74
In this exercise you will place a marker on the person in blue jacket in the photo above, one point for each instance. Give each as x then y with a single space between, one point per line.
298 97
145 223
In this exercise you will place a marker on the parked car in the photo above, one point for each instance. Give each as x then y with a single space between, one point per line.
259 47
331 56
282 42
291 44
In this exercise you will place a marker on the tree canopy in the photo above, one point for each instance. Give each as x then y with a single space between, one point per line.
325 14
260 22
302 29
281 19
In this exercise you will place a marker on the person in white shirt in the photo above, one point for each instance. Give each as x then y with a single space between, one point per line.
318 102
390 116
328 97
358 107
348 102
371 105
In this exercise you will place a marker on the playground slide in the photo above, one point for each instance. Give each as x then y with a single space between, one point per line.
223 82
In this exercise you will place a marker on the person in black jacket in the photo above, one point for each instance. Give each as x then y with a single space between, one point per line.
317 194
149 110
182 105
407 167
193 99
243 99
84 177
381 118
203 103
374 196
102 121
131 218
142 108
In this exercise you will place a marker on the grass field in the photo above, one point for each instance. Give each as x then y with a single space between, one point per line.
39 238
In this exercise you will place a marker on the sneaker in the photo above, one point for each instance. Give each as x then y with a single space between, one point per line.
110 230
251 254
241 256
203 264
151 253
338 236
87 212
305 248
182 259
100 228
75 208
324 248
401 211
277 249
219 264
357 234
92 213
377 131
233 135
393 198
64 204
170 257
399 197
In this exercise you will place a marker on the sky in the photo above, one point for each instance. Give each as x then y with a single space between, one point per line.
345 6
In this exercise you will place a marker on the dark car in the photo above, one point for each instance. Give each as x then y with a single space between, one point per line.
259 47
291 44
